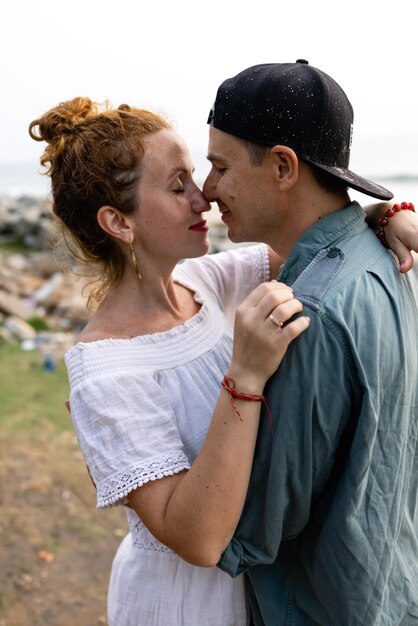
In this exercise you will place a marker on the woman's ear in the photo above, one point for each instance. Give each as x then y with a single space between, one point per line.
286 165
114 223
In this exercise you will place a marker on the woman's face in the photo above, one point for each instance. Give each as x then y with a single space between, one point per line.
169 222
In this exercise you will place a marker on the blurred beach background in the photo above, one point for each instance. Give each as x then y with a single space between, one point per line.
171 57
390 161
55 548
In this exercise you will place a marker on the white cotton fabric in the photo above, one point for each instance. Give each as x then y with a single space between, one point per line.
141 408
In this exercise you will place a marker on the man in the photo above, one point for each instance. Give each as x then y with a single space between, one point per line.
329 532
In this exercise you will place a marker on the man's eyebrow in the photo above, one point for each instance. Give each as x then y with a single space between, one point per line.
214 157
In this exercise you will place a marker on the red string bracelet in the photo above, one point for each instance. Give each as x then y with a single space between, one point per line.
229 385
408 206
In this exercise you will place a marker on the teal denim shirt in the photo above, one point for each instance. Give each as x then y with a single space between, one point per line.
329 531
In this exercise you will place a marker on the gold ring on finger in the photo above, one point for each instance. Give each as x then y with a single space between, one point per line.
275 321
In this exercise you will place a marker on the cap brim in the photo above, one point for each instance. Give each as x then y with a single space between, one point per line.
353 180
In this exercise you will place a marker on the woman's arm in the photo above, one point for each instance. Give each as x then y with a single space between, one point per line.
401 232
195 512
276 263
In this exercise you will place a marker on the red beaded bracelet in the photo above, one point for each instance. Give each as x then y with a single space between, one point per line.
229 385
408 206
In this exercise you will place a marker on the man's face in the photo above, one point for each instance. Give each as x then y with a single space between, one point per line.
245 193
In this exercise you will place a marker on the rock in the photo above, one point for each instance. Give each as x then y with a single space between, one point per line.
46 293
28 219
12 305
6 335
17 262
19 328
53 345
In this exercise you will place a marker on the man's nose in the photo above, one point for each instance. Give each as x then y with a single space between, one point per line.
209 187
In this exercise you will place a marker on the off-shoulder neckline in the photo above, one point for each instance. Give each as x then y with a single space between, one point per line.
154 337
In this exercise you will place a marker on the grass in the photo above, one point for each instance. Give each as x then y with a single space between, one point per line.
31 398
14 246
48 504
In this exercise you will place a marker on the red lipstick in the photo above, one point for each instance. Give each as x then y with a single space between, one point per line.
200 227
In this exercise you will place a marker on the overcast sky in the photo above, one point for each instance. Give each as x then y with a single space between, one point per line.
170 56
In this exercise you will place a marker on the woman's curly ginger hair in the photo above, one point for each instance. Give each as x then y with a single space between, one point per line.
93 157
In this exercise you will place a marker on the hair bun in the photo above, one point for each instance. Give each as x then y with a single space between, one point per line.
63 120
58 126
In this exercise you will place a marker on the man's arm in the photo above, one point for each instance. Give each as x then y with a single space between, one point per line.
312 398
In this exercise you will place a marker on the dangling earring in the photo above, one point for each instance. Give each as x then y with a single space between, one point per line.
134 263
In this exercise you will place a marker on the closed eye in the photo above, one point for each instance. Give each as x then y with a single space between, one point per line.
217 163
218 170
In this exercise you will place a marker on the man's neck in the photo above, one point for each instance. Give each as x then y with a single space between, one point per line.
300 215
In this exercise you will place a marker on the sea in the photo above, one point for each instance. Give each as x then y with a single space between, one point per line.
25 179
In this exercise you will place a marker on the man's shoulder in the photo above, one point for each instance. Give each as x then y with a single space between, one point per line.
354 263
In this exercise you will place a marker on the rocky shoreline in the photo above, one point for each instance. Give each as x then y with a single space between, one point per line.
42 300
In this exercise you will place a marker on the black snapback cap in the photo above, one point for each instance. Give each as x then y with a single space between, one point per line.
296 105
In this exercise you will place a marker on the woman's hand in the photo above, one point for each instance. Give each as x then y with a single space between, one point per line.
263 333
401 232
195 512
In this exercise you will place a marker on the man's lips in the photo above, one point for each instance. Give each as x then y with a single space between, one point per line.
200 227
223 209
224 214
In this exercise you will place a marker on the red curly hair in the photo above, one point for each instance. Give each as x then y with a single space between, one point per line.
93 157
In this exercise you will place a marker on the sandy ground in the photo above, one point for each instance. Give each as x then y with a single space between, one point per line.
55 547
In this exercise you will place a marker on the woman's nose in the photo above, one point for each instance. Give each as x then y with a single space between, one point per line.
200 203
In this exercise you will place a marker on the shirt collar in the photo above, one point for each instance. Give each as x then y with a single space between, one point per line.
326 232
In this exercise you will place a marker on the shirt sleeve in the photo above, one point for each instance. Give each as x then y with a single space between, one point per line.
127 433
230 276
311 398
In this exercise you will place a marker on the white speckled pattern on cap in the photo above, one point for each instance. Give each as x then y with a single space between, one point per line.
296 105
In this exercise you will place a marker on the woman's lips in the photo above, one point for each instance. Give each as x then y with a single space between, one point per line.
200 227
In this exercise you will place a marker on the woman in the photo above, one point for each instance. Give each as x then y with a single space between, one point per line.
161 411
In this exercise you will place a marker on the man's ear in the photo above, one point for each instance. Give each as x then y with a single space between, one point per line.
286 166
114 223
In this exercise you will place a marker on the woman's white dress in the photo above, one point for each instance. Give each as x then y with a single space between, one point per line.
141 409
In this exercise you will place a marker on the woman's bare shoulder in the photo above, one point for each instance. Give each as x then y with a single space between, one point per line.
99 328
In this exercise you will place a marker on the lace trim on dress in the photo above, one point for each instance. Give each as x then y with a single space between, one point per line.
143 540
265 265
115 489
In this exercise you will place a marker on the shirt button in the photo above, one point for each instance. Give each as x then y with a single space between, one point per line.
333 252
